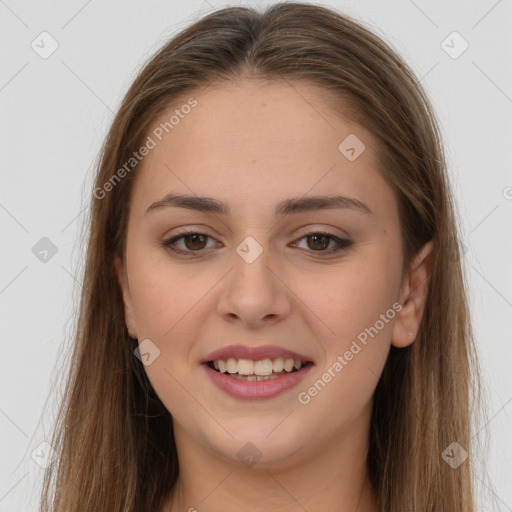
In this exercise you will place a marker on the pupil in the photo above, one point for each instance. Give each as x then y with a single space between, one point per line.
315 237
195 237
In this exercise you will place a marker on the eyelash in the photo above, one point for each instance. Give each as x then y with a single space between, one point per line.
342 243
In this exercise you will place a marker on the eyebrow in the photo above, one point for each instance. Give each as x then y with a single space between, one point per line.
286 207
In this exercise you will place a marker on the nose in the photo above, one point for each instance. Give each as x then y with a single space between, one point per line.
254 293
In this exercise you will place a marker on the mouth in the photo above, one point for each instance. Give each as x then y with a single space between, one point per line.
255 371
247 379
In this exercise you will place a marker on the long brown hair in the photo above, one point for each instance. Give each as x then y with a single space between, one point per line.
114 436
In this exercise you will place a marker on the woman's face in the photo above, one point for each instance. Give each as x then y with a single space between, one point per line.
271 270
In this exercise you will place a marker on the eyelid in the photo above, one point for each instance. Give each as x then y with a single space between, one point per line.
321 228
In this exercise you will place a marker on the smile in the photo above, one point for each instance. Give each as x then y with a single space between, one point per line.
256 380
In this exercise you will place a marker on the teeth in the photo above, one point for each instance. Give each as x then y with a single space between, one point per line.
288 365
245 367
252 378
263 367
232 365
256 370
278 364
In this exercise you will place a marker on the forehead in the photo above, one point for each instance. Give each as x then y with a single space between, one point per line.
240 119
258 141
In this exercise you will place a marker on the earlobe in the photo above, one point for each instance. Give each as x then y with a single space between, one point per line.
122 279
414 297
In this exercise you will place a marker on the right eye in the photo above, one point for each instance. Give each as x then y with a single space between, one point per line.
193 242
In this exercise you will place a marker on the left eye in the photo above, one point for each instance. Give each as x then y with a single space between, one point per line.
320 242
316 242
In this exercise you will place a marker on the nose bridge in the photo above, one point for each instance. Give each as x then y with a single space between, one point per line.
253 292
252 262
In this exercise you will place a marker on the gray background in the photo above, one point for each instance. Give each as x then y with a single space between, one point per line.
55 113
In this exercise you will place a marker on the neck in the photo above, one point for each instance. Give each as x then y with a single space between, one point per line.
328 479
270 494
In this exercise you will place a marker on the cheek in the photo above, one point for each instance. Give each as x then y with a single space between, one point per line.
157 306
354 313
165 294
167 302
359 310
348 300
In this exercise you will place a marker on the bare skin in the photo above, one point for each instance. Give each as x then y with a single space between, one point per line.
252 145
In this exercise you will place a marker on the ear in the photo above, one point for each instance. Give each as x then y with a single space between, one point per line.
122 278
413 297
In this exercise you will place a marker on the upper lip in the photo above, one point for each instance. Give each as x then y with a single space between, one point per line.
254 353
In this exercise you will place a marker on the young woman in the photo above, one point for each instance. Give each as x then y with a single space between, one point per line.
273 313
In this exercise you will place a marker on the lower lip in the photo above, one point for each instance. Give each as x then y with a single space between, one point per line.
256 390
